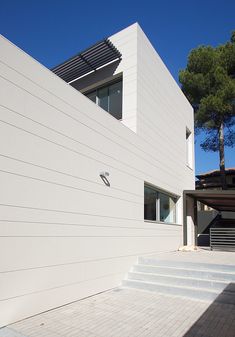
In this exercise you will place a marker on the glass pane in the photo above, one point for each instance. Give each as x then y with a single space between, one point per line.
188 148
103 98
150 199
115 100
167 208
92 96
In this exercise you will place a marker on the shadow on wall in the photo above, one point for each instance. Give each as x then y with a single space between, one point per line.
218 319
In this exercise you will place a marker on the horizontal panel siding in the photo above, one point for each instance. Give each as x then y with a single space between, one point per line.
28 305
63 250
163 114
64 235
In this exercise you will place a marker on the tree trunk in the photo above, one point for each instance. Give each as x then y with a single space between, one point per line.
221 156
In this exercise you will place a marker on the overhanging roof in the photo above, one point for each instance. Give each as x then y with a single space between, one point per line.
87 61
221 200
213 173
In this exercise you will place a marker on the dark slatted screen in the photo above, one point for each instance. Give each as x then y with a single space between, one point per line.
90 59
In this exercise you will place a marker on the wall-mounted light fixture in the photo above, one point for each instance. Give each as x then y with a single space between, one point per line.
103 176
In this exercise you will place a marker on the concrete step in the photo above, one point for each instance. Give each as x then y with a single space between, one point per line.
182 291
196 280
185 272
178 281
187 265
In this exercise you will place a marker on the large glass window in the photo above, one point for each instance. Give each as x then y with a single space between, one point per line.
109 98
159 206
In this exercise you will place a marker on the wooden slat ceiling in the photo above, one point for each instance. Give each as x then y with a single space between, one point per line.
221 200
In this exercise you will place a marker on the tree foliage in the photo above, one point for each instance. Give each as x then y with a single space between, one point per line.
209 83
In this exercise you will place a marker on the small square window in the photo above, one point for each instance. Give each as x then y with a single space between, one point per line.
189 148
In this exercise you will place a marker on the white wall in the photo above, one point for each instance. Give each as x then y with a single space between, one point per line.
163 114
64 235
126 42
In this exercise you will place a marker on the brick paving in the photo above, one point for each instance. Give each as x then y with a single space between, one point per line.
130 313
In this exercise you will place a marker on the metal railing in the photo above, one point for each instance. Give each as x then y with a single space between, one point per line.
222 238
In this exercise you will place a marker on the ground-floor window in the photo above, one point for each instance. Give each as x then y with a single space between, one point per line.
159 206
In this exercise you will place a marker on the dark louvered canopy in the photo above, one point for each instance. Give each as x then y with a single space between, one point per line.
89 60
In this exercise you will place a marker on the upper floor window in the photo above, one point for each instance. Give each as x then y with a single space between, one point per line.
108 97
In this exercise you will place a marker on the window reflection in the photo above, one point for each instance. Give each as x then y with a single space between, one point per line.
167 208
115 100
103 98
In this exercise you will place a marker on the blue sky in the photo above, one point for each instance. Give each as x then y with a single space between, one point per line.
53 30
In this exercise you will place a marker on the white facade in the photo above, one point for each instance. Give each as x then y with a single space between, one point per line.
64 235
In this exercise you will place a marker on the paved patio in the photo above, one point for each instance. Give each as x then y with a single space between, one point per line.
125 312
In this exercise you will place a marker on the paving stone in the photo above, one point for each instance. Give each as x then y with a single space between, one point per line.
130 313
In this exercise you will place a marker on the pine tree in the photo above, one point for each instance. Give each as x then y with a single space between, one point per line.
209 83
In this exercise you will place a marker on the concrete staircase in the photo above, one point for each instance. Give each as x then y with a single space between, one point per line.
200 281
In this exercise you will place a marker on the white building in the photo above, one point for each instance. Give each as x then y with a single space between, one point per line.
65 233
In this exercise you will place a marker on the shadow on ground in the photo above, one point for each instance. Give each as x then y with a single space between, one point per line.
218 319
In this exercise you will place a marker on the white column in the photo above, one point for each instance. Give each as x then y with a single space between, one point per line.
190 219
